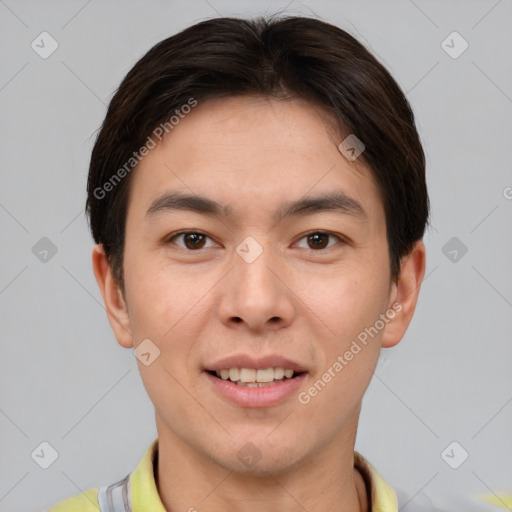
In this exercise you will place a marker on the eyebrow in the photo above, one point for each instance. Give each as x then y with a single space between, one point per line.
337 202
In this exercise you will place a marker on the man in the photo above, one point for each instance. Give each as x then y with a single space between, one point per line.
257 196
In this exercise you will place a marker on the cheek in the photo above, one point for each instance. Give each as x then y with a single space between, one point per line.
334 396
156 298
168 308
354 314
347 301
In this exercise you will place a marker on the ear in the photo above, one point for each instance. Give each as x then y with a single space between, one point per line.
117 311
404 294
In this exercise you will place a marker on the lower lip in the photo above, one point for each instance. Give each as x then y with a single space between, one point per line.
264 396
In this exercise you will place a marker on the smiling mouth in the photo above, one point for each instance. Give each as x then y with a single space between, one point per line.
253 378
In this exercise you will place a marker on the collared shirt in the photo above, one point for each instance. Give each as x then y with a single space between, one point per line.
137 492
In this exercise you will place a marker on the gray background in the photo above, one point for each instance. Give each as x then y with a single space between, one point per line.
66 381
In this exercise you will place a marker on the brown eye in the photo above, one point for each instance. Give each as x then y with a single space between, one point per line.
319 240
192 240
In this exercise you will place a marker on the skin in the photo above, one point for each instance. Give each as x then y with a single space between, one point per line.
308 304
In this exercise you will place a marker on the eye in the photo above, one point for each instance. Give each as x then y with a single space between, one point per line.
318 239
193 240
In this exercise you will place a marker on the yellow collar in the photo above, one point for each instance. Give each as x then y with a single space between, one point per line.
382 496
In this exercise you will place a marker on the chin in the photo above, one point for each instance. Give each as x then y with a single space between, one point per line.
257 456
259 468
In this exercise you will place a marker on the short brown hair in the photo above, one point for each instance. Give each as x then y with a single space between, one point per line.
279 57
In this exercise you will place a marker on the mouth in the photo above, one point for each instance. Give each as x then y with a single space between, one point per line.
255 378
247 381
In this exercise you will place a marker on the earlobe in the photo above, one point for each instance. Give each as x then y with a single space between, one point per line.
404 294
113 299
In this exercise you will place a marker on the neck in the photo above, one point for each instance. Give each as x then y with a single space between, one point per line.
190 480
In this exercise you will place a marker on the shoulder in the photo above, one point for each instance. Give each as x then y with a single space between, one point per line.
86 501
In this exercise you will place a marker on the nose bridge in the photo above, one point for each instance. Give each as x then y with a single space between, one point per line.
251 266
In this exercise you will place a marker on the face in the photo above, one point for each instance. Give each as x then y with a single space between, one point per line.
254 284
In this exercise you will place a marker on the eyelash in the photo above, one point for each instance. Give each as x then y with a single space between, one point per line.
341 239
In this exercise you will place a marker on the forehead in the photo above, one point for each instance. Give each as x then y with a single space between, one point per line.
246 153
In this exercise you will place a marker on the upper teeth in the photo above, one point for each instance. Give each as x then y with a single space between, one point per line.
253 375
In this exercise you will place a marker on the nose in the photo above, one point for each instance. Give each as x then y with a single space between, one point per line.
256 292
